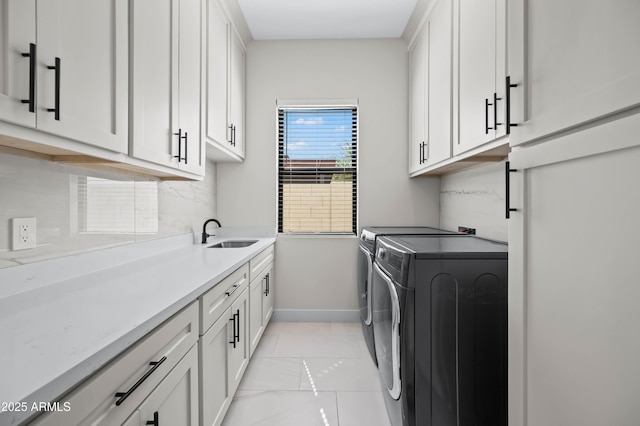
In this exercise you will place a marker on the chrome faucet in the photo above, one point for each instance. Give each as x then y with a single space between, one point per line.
204 230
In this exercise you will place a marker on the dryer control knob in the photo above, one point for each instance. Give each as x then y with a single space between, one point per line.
382 253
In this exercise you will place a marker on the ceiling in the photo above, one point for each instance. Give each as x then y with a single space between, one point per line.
326 19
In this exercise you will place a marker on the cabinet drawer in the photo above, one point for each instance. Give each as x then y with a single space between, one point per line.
219 298
94 402
260 262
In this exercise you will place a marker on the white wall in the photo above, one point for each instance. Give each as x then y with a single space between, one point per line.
475 199
319 272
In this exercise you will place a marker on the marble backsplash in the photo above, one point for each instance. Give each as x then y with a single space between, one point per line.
475 199
79 209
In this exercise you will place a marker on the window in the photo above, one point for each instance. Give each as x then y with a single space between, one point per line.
317 169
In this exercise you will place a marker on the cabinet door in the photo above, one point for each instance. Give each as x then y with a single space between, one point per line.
438 138
573 277
18 23
476 72
189 83
89 88
236 93
175 400
268 298
147 363
217 61
255 314
215 396
580 60
239 353
417 94
154 103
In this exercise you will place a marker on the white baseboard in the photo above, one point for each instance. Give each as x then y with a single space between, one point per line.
315 315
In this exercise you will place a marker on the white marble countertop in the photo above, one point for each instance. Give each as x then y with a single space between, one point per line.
58 325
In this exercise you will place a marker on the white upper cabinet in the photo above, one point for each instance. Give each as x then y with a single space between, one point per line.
430 90
236 93
218 28
582 63
417 100
480 57
75 82
165 104
438 145
225 93
17 71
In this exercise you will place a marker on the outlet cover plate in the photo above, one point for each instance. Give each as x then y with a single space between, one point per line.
24 233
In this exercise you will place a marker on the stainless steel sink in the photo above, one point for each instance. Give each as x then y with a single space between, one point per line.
234 244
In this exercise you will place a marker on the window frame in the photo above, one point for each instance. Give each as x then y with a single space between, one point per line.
320 104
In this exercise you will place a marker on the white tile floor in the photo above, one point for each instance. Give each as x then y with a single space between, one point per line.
309 374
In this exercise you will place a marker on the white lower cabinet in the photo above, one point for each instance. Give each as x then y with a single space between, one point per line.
215 397
153 373
268 299
227 345
175 400
260 297
224 357
261 306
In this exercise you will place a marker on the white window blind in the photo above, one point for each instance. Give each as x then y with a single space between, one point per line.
317 169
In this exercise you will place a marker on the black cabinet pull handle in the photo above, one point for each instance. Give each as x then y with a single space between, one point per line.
233 338
495 111
155 421
266 291
180 138
507 171
186 140
154 366
486 116
231 141
233 134
56 109
421 152
179 135
237 323
32 78
507 108
235 287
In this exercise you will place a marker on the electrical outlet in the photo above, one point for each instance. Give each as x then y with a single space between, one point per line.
24 233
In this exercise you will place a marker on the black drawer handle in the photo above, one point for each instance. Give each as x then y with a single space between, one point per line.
507 172
155 421
32 78
154 366
236 286
56 109
507 108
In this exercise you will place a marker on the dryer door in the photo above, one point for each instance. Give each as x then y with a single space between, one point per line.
365 259
386 330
